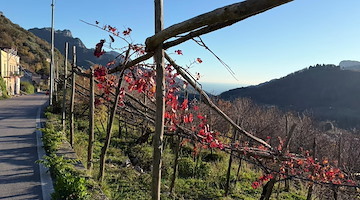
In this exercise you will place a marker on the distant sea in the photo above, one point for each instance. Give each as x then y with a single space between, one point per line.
218 88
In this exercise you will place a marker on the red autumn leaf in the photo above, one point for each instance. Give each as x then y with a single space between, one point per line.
213 145
186 119
97 102
199 60
191 117
255 184
200 117
127 31
111 29
178 52
98 49
100 86
184 104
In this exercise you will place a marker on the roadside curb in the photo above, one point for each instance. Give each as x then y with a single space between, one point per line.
45 177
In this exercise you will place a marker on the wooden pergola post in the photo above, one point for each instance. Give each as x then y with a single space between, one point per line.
64 88
72 102
91 122
160 105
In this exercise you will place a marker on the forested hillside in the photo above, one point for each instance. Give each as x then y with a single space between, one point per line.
324 91
34 52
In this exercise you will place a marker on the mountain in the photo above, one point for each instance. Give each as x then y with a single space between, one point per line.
34 52
350 65
325 91
84 56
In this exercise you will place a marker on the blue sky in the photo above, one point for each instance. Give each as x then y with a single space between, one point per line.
267 46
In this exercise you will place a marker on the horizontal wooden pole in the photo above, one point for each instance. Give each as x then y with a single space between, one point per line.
232 13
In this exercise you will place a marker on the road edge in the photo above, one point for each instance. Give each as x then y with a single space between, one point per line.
45 178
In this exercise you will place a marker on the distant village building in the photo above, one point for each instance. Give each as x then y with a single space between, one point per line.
9 70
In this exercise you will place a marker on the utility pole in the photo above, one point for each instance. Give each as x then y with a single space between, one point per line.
52 56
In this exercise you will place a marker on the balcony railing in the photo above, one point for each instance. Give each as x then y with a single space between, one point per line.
10 74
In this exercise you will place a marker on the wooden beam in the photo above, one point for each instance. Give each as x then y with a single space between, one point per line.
232 13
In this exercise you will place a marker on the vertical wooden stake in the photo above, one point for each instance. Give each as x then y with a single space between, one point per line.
311 187
109 130
160 105
72 129
63 119
173 178
238 170
91 122
287 181
227 186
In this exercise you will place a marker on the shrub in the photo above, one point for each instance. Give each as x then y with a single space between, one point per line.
212 157
27 87
68 183
186 167
203 170
51 139
3 90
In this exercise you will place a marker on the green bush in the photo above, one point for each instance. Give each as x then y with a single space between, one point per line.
3 91
51 139
141 155
203 170
68 184
212 157
27 87
186 167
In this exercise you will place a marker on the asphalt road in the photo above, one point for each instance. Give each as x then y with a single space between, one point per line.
19 174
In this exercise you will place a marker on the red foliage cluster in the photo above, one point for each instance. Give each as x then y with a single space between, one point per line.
106 83
138 48
177 112
261 180
141 80
313 170
183 113
307 168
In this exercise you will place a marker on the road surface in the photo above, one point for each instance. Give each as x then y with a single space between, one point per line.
19 174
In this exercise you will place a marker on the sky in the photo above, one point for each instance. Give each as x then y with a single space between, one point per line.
261 48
